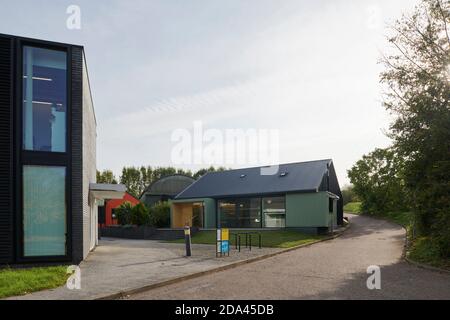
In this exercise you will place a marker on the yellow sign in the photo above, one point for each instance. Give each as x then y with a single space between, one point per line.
225 235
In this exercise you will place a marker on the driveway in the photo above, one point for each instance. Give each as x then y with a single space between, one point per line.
333 269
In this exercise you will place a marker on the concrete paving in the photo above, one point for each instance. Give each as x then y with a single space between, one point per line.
335 269
119 264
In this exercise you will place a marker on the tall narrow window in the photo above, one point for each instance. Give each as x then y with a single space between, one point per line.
44 211
274 211
44 99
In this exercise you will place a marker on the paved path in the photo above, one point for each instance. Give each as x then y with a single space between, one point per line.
333 269
120 264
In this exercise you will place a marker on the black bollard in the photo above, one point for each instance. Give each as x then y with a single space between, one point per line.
187 239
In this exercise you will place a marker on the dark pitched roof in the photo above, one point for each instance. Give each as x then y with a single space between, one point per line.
168 185
300 177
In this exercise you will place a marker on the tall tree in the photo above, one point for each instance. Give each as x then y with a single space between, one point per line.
378 181
131 177
106 176
417 79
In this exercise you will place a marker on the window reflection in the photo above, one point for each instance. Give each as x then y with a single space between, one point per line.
274 212
240 213
44 99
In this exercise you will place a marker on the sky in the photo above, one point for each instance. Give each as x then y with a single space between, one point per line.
305 70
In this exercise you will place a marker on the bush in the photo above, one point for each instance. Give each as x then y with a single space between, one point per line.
140 215
160 215
124 213
128 214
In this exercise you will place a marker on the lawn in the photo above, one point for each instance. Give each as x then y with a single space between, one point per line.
353 207
15 282
272 239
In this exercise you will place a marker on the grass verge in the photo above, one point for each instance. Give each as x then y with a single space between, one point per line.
353 207
14 282
271 239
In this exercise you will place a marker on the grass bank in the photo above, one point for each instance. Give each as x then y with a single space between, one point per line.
353 207
14 282
272 239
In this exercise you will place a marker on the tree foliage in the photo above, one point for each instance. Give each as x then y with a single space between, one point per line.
417 93
106 176
378 181
349 194
127 214
418 80
124 213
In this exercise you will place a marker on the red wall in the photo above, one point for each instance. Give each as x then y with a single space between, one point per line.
114 203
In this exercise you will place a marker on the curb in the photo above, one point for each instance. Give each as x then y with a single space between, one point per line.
425 266
164 283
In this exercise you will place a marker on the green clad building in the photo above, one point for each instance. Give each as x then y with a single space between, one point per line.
302 195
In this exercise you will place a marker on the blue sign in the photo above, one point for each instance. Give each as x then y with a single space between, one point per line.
225 246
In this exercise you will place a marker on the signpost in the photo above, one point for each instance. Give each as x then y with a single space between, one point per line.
222 242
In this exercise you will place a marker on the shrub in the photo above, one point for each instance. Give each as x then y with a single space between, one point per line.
124 213
140 215
160 215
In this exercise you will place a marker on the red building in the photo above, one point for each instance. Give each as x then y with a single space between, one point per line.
108 209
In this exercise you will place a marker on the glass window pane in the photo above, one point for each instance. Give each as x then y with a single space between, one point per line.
228 214
44 99
274 212
240 213
44 211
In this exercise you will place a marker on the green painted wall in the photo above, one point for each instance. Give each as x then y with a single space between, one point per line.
308 210
210 210
302 210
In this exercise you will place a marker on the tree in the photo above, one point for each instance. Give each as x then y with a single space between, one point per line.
378 181
417 79
349 195
131 177
202 172
106 176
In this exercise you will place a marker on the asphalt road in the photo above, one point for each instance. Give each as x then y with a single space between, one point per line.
335 269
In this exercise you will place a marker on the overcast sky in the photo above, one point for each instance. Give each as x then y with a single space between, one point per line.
306 68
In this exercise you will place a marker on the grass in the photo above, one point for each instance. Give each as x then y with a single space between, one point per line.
353 207
14 282
271 239
425 251
399 217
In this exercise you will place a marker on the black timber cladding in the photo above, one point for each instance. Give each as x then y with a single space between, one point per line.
6 151
10 142
77 153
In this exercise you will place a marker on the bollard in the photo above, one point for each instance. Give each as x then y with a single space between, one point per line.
259 240
187 239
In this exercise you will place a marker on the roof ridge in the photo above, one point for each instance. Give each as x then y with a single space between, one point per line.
269 165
